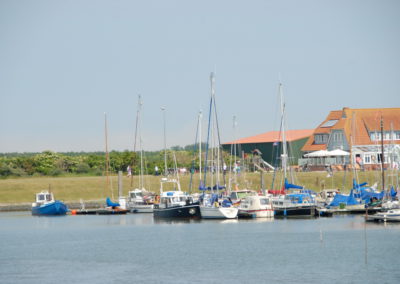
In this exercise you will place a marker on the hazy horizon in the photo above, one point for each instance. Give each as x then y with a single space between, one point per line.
65 63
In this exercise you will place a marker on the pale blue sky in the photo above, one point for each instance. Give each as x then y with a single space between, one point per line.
64 63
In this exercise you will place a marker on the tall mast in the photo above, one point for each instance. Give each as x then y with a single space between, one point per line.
383 156
141 185
234 148
137 130
283 130
107 156
165 144
199 123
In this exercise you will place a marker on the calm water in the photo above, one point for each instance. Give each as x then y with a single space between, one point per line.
136 249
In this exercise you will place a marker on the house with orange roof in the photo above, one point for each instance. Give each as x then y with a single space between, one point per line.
359 133
269 144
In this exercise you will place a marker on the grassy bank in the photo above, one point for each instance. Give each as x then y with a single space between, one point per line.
72 189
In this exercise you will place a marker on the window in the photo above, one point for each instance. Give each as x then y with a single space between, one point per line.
367 159
320 138
329 123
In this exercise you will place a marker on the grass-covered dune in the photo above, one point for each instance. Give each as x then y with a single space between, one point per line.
73 189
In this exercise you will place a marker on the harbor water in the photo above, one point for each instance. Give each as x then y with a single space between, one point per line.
135 248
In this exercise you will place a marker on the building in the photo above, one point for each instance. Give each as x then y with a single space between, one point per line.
358 133
268 145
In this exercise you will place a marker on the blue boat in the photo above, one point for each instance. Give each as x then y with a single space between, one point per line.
47 206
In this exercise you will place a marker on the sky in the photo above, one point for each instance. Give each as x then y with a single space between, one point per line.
64 63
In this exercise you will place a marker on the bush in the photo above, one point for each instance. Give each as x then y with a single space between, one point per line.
82 168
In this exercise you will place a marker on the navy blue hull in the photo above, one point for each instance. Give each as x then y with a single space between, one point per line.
296 211
187 211
55 208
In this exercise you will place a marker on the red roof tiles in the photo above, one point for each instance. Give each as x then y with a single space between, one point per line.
356 125
273 136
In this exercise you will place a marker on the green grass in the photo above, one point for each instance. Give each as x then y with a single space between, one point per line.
21 190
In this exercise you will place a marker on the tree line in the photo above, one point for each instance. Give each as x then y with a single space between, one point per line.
49 163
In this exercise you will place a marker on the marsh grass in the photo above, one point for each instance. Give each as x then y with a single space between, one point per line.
72 189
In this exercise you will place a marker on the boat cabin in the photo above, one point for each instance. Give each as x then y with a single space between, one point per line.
255 202
44 197
135 194
295 198
175 198
238 195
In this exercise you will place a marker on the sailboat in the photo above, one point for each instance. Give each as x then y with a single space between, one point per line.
300 203
174 203
111 207
211 206
138 200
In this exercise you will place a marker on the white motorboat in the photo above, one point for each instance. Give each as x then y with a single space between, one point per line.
388 216
139 201
256 206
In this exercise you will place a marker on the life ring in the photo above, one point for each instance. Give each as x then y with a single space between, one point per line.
192 211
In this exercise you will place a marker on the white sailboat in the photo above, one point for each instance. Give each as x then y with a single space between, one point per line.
139 199
211 206
295 204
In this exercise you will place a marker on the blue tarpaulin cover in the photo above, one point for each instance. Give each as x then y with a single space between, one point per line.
289 185
110 203
346 199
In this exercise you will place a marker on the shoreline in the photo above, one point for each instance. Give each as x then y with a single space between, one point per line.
25 206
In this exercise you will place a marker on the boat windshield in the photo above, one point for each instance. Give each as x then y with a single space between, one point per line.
136 194
264 201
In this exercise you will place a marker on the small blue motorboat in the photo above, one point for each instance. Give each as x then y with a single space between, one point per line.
46 205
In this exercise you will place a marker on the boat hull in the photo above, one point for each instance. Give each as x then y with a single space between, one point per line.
295 211
142 208
184 211
258 213
218 212
49 209
390 216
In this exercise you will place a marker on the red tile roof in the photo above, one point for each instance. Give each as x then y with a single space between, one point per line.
273 136
356 123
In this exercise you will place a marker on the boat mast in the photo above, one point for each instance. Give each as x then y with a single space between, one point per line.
107 156
141 180
383 156
165 144
199 125
138 130
208 135
284 146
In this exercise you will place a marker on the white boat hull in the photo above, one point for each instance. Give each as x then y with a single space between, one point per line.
148 208
391 215
218 212
259 213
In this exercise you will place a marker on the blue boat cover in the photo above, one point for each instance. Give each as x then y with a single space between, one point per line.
110 203
289 185
226 203
393 192
346 199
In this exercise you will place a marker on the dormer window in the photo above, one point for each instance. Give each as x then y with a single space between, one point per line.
321 138
329 123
